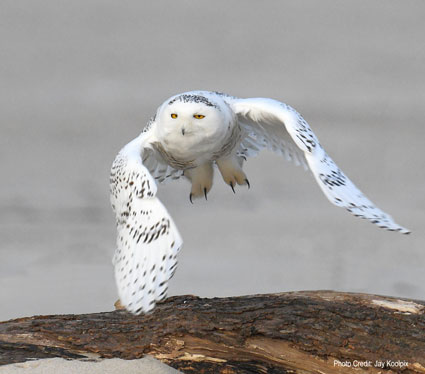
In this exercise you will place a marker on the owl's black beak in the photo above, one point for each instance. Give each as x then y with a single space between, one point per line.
183 131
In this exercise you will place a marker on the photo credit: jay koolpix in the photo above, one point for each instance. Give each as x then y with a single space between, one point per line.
382 364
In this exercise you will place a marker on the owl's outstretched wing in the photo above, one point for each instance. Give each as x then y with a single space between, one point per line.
160 170
268 123
147 238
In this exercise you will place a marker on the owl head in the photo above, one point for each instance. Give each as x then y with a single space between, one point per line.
194 118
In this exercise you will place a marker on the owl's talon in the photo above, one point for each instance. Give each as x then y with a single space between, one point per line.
233 188
190 197
205 193
247 183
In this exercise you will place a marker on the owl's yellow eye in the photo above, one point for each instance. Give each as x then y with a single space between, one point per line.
198 116
174 115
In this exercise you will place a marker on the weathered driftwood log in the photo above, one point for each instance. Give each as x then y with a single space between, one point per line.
295 332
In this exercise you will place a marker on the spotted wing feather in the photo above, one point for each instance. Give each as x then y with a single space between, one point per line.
160 170
147 238
274 125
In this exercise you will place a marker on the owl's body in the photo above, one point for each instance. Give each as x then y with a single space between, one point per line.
195 145
190 134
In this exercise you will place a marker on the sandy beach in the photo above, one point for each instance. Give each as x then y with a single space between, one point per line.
80 79
146 365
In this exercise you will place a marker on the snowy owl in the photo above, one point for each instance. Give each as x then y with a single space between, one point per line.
189 135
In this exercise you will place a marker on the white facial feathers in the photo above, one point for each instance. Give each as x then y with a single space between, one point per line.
192 126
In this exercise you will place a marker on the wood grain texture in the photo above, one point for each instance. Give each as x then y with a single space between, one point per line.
295 332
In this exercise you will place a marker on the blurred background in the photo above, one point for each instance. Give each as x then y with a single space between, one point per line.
79 79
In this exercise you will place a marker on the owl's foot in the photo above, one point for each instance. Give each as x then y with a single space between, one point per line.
232 172
202 179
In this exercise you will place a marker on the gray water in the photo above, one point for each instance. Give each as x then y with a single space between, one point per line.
79 79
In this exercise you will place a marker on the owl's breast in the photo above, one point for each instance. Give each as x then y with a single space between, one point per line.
175 159
191 149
